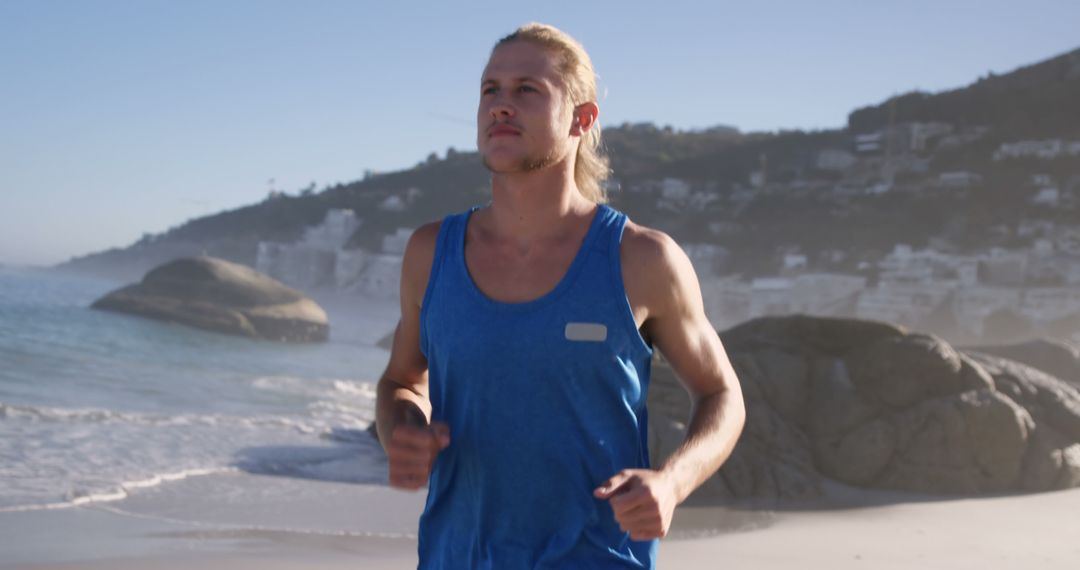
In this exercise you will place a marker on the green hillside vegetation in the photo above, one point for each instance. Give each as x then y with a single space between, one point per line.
1036 101
791 203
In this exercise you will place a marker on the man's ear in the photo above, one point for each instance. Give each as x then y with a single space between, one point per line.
585 116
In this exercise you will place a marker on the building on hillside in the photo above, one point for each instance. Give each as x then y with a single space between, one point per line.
727 300
1045 149
834 160
770 296
793 264
296 265
395 243
869 143
1046 304
1048 267
924 134
1042 181
905 265
312 261
334 232
972 305
709 260
400 201
348 265
1035 229
959 179
1067 240
906 304
1003 267
826 294
1046 197
380 278
674 189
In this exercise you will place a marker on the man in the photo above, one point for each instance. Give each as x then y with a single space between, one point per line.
519 371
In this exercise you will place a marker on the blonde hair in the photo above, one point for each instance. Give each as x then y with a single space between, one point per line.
591 166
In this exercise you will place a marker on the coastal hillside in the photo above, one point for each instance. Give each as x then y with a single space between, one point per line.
962 193
803 191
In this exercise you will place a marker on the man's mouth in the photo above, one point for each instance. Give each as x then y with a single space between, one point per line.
502 130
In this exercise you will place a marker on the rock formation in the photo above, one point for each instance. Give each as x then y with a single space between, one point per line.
873 405
218 295
1055 357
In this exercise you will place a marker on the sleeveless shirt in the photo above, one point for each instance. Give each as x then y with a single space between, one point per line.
545 400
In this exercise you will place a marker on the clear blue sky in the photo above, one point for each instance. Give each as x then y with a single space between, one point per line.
123 117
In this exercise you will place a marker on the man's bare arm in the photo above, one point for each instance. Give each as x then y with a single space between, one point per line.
403 407
682 332
660 278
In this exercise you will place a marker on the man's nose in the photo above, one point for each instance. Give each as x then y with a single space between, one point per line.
500 107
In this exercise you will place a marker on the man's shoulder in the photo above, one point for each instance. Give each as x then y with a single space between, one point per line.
417 260
656 271
648 247
424 238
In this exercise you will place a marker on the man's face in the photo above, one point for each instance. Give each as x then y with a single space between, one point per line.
523 120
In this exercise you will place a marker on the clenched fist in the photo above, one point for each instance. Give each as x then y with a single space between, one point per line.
411 452
643 501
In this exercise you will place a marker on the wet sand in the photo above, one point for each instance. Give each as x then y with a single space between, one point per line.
243 521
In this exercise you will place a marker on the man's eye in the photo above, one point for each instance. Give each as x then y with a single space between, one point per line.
487 91
526 88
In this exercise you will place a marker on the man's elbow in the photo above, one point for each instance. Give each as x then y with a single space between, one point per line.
727 400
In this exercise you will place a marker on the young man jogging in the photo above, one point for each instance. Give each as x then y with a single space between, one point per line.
519 371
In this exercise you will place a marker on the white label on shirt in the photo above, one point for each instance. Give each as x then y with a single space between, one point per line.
588 332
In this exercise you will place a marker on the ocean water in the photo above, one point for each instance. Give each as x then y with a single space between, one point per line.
98 407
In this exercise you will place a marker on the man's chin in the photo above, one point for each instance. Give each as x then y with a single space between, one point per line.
503 164
514 165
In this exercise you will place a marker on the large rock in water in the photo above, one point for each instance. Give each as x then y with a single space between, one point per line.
875 406
218 295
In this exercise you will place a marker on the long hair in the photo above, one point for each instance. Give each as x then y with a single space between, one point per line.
591 166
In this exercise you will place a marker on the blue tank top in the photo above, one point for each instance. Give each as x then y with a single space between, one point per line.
545 400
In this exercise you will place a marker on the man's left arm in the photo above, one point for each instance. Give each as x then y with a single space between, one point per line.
644 500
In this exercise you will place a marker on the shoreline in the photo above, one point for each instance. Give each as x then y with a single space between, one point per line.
239 521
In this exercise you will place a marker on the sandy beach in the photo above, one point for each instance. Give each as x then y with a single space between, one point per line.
280 523
316 498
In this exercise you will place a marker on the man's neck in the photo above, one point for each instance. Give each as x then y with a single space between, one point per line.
535 206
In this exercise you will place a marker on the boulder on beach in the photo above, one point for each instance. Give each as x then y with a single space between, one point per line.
221 296
1058 358
873 405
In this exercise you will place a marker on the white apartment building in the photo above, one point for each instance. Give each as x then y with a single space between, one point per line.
794 262
905 265
770 296
727 300
708 259
311 261
1045 304
349 263
380 278
972 305
832 159
825 294
674 189
334 231
1003 267
959 179
296 265
903 303
395 243
1045 149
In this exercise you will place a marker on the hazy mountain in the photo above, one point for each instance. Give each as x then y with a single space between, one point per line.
768 191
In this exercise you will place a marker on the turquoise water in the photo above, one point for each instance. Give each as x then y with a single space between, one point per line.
97 406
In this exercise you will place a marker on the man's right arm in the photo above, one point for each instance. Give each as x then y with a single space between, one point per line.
403 408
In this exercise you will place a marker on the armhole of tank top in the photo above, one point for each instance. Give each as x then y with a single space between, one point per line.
620 287
436 265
